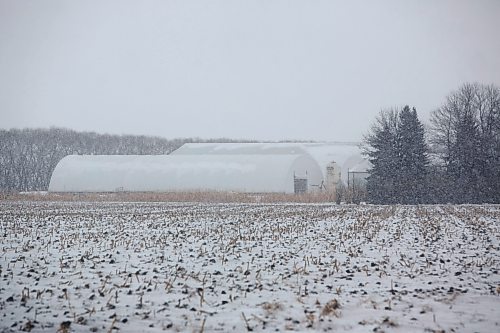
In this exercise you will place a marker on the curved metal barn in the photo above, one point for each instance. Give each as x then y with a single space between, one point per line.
346 156
165 173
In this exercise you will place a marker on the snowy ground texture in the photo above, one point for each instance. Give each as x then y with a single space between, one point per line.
139 267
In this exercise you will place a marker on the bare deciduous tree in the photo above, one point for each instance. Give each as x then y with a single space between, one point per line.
466 134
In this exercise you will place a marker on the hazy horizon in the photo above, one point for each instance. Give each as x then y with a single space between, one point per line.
260 70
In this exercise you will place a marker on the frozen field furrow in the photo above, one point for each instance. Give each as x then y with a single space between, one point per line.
140 267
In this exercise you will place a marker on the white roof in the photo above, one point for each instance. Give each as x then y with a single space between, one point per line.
240 149
245 173
362 166
345 155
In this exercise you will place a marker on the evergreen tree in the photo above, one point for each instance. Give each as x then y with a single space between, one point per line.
397 150
381 148
413 159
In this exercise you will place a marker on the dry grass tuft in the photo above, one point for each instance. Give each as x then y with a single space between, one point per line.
330 308
193 196
272 307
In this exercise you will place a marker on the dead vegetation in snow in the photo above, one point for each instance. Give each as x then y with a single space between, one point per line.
132 267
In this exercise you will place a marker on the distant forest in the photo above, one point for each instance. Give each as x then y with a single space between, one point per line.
28 156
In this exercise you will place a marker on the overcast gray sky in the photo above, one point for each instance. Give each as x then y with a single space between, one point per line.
242 69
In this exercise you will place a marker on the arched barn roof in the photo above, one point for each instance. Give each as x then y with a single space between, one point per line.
345 155
243 173
240 149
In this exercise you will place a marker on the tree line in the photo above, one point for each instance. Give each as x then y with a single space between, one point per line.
28 156
457 160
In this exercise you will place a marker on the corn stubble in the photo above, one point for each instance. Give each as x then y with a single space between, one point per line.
204 267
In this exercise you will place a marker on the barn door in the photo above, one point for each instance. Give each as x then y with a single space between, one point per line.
300 185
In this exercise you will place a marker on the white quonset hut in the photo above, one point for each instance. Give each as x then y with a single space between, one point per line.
336 159
254 173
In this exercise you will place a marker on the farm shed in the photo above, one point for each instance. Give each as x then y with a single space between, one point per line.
335 159
165 173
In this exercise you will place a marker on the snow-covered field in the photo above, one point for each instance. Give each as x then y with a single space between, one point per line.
151 267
